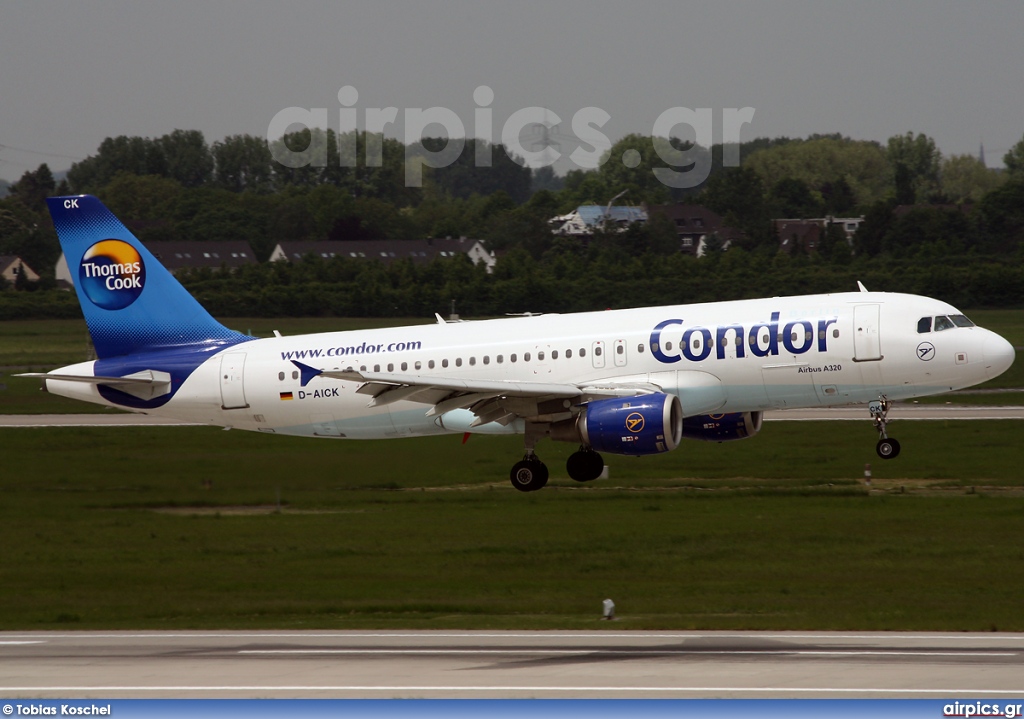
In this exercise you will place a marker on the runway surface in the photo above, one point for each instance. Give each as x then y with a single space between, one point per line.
899 412
600 664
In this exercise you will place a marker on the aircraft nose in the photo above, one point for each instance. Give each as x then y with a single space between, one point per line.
999 355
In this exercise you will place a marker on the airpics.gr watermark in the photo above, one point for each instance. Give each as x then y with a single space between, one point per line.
586 129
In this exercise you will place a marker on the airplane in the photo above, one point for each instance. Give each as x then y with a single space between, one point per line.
629 382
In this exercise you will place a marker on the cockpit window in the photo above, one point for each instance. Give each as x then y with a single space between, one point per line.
961 321
943 323
924 325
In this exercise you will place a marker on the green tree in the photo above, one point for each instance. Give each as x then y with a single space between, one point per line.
791 197
922 161
965 178
34 187
186 157
243 162
1014 160
825 161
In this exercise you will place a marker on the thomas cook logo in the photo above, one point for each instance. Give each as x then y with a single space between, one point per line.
635 422
112 274
925 351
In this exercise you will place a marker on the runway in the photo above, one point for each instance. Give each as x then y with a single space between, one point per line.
598 664
826 414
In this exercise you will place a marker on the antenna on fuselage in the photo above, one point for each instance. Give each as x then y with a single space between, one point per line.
861 286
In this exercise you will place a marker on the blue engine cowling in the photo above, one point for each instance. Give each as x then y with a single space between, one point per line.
647 424
722 427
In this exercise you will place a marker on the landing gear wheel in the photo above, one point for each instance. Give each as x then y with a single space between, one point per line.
585 465
888 448
529 475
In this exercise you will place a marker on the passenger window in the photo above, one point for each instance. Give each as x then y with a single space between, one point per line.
472 361
583 352
924 325
640 348
668 346
444 363
540 356
619 349
554 354
568 354
418 364
526 356
835 333
362 368
391 367
458 361
405 366
943 323
487 359
430 364
597 350
512 358
280 376
376 368
295 374
500 358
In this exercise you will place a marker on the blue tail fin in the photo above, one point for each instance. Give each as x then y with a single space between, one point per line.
130 301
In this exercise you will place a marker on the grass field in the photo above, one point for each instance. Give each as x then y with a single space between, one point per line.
178 527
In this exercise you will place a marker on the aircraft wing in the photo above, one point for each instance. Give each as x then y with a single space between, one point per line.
490 400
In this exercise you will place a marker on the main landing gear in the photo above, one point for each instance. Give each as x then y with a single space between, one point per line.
530 474
586 465
887 447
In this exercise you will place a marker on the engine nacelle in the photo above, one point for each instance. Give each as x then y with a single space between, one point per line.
722 427
646 424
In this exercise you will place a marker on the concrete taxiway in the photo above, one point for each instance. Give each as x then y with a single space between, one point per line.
510 664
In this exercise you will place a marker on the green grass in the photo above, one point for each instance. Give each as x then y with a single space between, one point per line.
122 528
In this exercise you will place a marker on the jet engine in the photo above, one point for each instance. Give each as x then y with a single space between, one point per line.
722 427
646 424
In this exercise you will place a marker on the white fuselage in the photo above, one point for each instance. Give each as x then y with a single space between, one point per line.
747 355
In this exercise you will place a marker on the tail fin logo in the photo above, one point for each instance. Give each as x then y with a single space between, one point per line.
112 274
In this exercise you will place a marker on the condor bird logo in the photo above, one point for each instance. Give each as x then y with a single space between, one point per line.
635 422
925 351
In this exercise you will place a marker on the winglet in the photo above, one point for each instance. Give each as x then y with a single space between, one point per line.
308 372
861 286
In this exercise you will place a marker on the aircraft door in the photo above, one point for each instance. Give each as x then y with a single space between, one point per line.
619 356
597 354
867 345
232 384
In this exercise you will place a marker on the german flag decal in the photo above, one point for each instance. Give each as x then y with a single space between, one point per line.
287 395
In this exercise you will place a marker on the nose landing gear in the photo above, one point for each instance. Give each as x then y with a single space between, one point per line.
887 447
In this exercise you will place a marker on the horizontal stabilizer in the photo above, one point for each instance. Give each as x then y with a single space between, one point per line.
146 384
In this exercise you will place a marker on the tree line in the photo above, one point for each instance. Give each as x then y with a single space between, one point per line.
944 226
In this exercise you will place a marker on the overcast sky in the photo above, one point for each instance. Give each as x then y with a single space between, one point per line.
73 73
